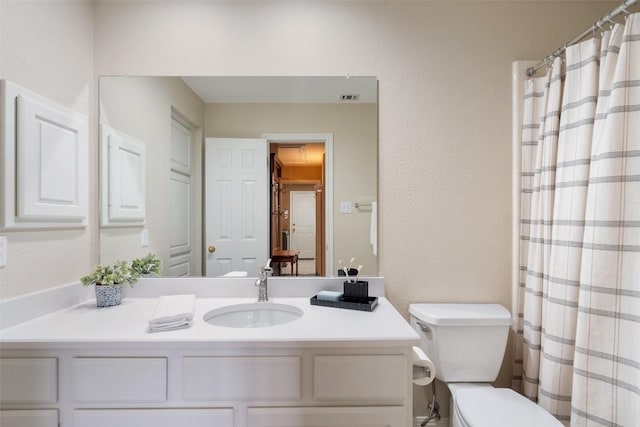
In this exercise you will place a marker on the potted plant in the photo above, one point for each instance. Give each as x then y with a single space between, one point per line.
108 281
147 266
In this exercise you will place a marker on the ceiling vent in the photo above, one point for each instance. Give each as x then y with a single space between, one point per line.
349 97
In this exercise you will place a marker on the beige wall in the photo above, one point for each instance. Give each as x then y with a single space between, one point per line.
141 107
354 128
47 47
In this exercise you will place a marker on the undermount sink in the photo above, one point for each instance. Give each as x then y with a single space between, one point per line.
253 315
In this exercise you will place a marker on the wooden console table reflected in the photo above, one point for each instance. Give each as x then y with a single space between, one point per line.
279 256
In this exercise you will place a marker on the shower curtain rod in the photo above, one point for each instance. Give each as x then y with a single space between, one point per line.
598 24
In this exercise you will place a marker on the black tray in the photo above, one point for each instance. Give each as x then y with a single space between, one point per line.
367 304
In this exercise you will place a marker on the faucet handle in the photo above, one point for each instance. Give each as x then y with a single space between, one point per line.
263 272
267 268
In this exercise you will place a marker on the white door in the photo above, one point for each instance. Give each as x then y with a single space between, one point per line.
180 200
236 205
303 223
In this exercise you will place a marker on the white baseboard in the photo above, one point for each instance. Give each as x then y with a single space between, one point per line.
443 422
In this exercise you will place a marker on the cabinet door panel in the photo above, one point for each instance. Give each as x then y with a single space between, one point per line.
119 379
29 418
153 417
360 377
381 416
242 378
29 380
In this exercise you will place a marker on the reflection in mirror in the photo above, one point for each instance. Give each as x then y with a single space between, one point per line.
311 198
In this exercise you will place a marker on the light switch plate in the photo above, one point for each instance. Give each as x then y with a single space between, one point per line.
346 207
144 237
3 251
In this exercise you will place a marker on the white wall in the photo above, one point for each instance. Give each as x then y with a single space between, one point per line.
354 129
47 47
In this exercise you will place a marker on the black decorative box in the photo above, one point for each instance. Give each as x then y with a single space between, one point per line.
366 304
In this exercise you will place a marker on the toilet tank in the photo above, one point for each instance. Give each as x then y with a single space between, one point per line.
466 342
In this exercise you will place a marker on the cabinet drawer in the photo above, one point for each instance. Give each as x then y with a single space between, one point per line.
241 378
360 377
222 417
29 418
29 380
114 379
384 416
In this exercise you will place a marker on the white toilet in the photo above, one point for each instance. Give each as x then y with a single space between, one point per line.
466 343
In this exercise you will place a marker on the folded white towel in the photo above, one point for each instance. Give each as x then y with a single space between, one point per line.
170 326
173 308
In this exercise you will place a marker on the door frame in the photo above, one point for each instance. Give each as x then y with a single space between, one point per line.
327 140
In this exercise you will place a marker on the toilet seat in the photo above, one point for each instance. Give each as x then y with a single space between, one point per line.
499 407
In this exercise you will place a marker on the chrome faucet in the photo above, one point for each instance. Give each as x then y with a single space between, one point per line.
261 283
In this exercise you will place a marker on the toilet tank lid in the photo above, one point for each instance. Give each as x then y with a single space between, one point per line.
461 314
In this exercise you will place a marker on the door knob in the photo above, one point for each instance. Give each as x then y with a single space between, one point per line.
211 249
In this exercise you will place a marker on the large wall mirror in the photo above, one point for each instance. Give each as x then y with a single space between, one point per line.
217 174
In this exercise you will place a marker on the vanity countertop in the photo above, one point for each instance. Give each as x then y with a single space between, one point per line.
126 325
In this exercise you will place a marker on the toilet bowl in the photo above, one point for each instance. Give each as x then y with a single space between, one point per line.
466 343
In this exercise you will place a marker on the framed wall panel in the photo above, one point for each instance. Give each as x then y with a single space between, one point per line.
44 162
122 179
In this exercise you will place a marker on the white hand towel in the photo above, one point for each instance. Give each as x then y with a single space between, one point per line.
373 232
172 308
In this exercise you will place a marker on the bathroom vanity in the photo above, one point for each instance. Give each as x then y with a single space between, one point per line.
89 367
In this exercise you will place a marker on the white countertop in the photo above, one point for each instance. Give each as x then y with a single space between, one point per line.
126 325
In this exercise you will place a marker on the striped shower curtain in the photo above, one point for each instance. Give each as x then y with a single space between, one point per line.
578 317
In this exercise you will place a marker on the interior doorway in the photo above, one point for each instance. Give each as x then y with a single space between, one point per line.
303 223
298 218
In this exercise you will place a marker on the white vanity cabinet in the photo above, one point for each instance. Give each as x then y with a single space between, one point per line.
219 386
78 367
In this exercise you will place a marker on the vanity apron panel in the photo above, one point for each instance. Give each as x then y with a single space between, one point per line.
222 417
28 380
242 378
31 418
363 416
360 377
119 379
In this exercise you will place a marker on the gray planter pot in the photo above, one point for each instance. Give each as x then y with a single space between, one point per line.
107 296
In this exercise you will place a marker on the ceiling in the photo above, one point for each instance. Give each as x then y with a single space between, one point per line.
282 89
311 154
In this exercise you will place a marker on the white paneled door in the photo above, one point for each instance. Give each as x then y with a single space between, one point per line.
303 223
180 251
236 205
